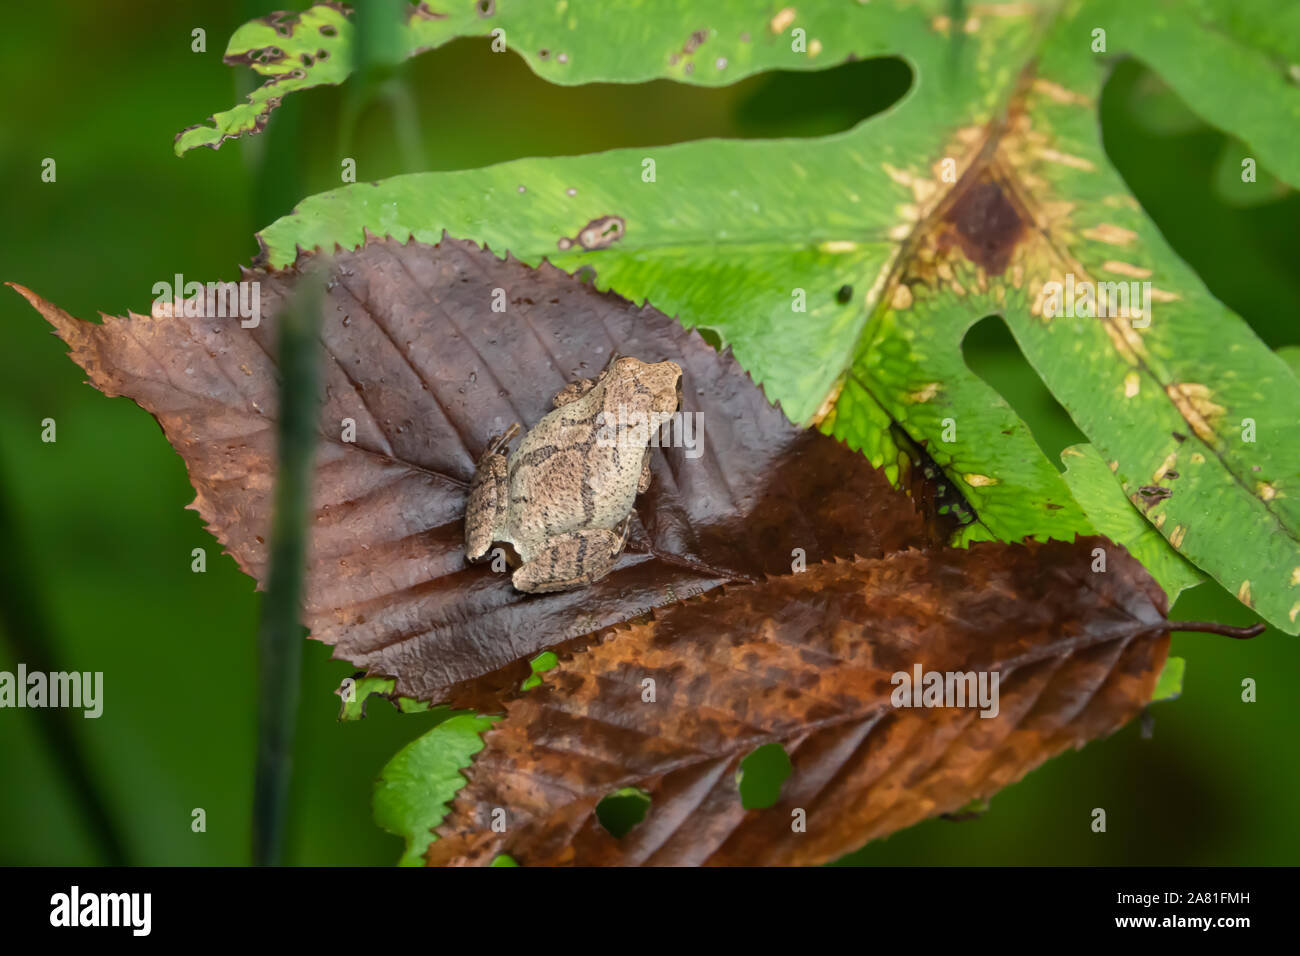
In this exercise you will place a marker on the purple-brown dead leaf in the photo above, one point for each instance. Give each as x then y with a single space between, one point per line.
417 358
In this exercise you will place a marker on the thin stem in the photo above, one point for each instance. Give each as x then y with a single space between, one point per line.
280 635
406 123
1211 627
24 623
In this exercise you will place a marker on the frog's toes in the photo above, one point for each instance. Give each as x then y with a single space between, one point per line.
498 442
486 506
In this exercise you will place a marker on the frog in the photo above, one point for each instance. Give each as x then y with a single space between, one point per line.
564 498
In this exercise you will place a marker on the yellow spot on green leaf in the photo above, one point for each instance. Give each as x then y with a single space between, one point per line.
782 20
1111 235
1126 269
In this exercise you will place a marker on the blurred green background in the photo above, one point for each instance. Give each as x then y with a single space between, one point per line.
96 574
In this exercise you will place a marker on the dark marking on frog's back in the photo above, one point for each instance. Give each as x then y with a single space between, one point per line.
986 224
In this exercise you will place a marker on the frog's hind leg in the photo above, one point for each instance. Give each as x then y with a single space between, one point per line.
487 497
573 391
571 560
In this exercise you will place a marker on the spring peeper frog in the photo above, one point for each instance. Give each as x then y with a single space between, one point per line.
563 498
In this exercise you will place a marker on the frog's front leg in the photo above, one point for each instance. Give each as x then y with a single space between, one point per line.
571 560
643 483
488 498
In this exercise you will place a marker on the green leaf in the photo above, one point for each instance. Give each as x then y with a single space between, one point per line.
1251 91
910 366
567 42
361 689
539 664
1290 354
761 775
275 46
421 778
1169 685
1237 65
987 181
1101 496
1233 189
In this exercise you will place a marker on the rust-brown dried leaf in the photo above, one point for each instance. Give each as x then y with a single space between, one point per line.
806 661
428 372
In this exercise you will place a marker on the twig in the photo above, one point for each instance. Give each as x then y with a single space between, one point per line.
1210 627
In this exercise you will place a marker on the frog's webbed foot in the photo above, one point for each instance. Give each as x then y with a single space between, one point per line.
488 493
571 560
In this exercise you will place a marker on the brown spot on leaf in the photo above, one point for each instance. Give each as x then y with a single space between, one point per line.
694 40
986 225
1154 494
422 11
597 234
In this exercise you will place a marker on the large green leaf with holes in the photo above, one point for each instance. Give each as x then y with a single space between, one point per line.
844 271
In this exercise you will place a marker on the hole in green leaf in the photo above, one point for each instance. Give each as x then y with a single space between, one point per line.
1238 237
761 776
623 809
548 119
711 336
818 102
991 352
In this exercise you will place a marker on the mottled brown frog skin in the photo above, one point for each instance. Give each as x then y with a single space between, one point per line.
563 499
